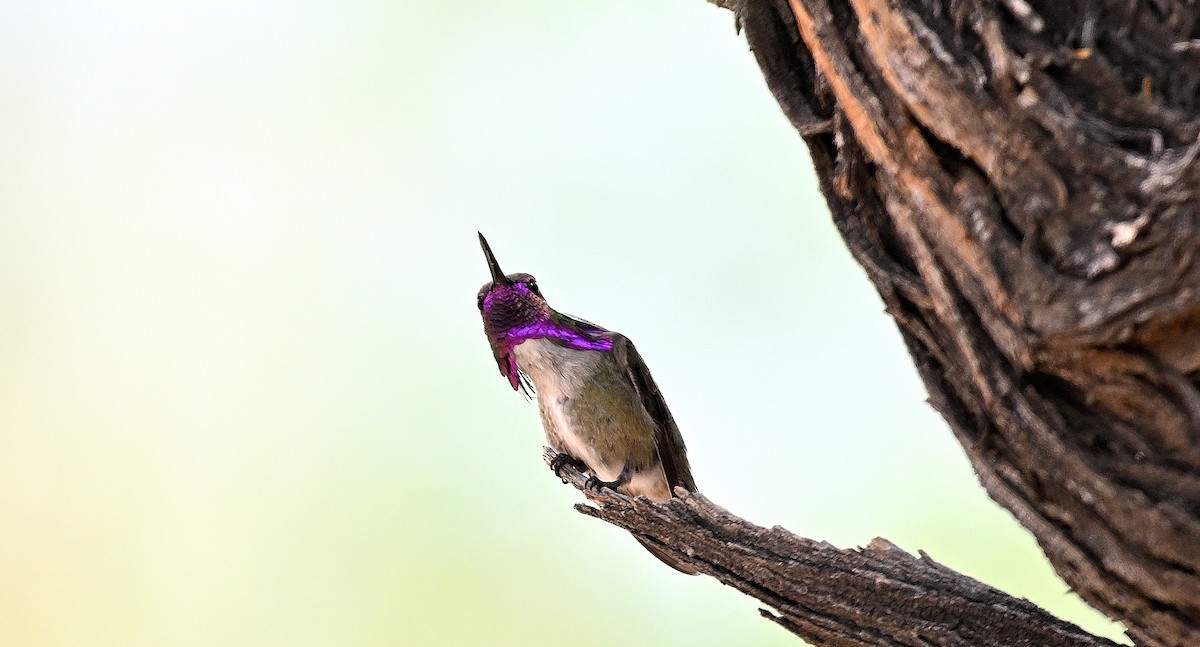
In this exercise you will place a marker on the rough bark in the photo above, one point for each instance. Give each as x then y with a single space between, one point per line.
1020 181
878 595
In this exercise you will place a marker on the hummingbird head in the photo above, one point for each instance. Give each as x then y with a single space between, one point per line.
513 311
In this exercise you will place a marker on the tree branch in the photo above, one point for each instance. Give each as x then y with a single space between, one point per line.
878 595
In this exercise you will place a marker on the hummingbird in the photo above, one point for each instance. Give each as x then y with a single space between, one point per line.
601 410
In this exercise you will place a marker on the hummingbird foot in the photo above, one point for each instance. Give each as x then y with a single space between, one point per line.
594 484
564 459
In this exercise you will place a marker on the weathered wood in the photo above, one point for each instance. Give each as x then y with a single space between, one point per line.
1021 182
878 595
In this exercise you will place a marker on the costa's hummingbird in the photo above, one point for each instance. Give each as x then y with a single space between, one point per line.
601 410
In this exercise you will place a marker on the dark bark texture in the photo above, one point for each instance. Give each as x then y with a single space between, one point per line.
879 595
1020 179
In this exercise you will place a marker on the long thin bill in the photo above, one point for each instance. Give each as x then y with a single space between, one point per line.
497 273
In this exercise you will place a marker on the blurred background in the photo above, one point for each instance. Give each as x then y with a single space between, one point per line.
245 396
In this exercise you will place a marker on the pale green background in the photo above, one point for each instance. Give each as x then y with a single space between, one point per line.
244 392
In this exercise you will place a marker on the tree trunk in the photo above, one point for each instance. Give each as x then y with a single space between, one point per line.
1020 181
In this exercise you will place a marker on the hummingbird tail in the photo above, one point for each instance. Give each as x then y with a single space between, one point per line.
667 558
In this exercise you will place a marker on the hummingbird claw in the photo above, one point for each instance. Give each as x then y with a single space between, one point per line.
564 459
594 484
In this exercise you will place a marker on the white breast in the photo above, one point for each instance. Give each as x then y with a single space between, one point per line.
558 375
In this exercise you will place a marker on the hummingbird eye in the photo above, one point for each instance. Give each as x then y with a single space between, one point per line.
533 287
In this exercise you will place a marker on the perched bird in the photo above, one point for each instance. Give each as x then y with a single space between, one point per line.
601 410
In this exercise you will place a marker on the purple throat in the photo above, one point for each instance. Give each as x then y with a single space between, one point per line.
548 330
544 327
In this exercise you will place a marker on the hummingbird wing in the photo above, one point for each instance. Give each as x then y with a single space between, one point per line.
671 450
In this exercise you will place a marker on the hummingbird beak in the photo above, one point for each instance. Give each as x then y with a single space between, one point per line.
497 274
